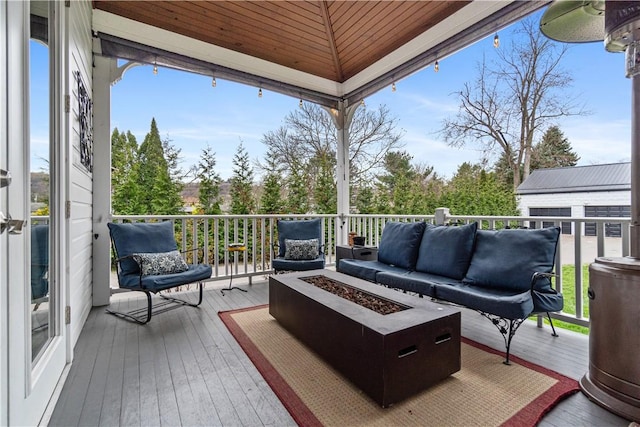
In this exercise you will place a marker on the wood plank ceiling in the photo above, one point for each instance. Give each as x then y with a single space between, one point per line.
331 39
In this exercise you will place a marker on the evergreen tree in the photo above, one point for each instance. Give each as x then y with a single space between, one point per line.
474 191
325 191
271 200
554 150
398 180
125 190
365 200
242 201
209 189
161 195
297 198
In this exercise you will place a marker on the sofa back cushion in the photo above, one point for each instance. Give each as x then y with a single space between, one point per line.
446 250
399 243
507 259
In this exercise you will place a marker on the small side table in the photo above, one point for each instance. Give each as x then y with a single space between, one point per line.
367 253
232 249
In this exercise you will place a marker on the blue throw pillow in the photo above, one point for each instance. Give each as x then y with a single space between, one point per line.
399 243
141 237
507 259
446 250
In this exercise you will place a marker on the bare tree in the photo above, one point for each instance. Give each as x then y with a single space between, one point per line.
309 133
509 104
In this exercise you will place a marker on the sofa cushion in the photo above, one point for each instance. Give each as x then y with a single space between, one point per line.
414 281
500 302
507 259
366 270
399 244
446 250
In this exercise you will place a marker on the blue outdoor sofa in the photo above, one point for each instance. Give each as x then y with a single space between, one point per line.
504 275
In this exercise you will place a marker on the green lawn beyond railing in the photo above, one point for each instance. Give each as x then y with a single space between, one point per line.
569 294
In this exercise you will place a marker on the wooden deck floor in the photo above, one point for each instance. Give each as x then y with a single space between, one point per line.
185 369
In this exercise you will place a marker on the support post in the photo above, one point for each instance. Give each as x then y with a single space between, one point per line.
635 165
101 179
342 118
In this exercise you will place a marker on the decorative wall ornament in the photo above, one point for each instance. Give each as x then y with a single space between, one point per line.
85 119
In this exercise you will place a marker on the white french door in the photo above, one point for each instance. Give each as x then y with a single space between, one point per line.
35 352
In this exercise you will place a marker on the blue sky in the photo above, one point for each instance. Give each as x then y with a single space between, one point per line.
192 113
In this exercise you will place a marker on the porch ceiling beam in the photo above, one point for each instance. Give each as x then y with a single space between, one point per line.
324 8
116 47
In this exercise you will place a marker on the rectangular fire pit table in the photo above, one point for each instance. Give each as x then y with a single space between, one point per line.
388 356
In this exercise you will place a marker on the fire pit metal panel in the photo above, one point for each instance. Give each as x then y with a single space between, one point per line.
389 357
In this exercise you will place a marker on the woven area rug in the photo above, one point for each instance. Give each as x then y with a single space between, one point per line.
485 392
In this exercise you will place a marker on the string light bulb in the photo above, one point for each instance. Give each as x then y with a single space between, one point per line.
155 68
260 93
496 41
300 104
393 87
213 82
362 103
436 66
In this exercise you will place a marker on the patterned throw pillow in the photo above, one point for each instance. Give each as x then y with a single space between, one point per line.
153 264
301 249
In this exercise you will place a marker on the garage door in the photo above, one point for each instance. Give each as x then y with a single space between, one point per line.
565 225
610 229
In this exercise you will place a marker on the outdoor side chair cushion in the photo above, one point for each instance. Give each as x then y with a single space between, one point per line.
303 229
141 237
195 273
153 264
526 251
399 243
301 249
281 264
446 250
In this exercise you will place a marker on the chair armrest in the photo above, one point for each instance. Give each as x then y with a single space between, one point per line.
539 275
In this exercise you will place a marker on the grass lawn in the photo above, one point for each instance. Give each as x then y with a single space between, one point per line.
568 292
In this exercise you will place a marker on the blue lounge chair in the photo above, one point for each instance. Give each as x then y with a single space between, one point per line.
148 261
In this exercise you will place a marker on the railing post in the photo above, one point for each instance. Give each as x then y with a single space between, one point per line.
441 216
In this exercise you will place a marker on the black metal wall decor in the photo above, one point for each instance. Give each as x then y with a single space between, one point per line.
85 119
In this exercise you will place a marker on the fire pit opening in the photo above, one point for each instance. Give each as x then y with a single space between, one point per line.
372 302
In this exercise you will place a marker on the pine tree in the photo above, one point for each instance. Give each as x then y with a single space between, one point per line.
242 201
554 150
271 200
297 198
325 191
474 191
161 196
124 184
209 190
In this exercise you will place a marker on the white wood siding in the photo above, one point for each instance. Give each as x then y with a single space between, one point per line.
79 232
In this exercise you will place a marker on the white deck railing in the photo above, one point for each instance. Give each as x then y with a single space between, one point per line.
215 232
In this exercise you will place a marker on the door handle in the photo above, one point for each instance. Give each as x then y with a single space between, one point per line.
13 226
5 178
